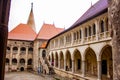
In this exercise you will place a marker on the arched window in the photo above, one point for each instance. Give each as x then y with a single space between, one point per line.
30 49
30 62
102 25
7 61
8 48
23 49
85 32
80 34
89 30
15 48
22 61
14 61
94 29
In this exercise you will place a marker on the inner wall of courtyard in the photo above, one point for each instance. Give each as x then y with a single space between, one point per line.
85 50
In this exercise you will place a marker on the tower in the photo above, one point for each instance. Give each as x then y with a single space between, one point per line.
31 21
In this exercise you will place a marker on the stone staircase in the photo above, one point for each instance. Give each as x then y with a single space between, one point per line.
47 68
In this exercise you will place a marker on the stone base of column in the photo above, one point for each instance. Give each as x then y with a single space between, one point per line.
99 79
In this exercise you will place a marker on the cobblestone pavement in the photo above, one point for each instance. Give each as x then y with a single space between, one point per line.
26 76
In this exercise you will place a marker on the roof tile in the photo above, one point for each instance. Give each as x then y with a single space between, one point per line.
22 32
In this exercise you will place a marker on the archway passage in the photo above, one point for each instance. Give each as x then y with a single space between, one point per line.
22 69
52 63
61 60
77 59
56 55
91 63
107 62
68 61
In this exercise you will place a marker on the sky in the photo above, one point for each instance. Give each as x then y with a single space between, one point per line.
62 13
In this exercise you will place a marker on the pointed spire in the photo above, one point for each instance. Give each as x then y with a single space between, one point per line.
31 21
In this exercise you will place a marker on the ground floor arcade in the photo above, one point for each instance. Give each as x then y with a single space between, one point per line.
85 61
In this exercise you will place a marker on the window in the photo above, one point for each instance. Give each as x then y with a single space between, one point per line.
80 34
102 26
85 32
89 30
94 29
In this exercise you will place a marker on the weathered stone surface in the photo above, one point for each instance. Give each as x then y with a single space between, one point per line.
114 17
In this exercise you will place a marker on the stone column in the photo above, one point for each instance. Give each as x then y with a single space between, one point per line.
18 59
55 62
65 64
83 68
4 17
97 29
26 58
73 66
72 38
11 52
59 63
99 70
82 35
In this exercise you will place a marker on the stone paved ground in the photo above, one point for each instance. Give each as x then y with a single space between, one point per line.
26 76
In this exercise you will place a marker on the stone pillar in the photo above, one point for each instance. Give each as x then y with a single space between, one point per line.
55 62
73 66
72 38
65 64
59 63
82 35
26 61
18 59
11 52
83 68
99 70
4 17
97 29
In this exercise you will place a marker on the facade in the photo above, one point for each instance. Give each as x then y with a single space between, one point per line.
24 43
84 51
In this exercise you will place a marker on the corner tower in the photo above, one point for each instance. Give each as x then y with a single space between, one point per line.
31 21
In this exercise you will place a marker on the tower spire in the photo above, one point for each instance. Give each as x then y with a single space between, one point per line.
31 21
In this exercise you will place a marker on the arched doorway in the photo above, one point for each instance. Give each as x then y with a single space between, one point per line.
22 69
61 60
52 63
107 62
77 59
91 63
56 55
43 54
68 61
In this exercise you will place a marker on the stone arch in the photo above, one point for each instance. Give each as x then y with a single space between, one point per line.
29 62
106 62
61 60
15 48
56 58
68 60
14 61
77 60
22 61
91 62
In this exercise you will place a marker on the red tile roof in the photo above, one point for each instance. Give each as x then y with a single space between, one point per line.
48 31
22 32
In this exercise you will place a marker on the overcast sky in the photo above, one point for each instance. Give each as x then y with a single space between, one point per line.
63 13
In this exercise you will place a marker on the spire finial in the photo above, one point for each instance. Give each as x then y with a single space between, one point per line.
32 5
